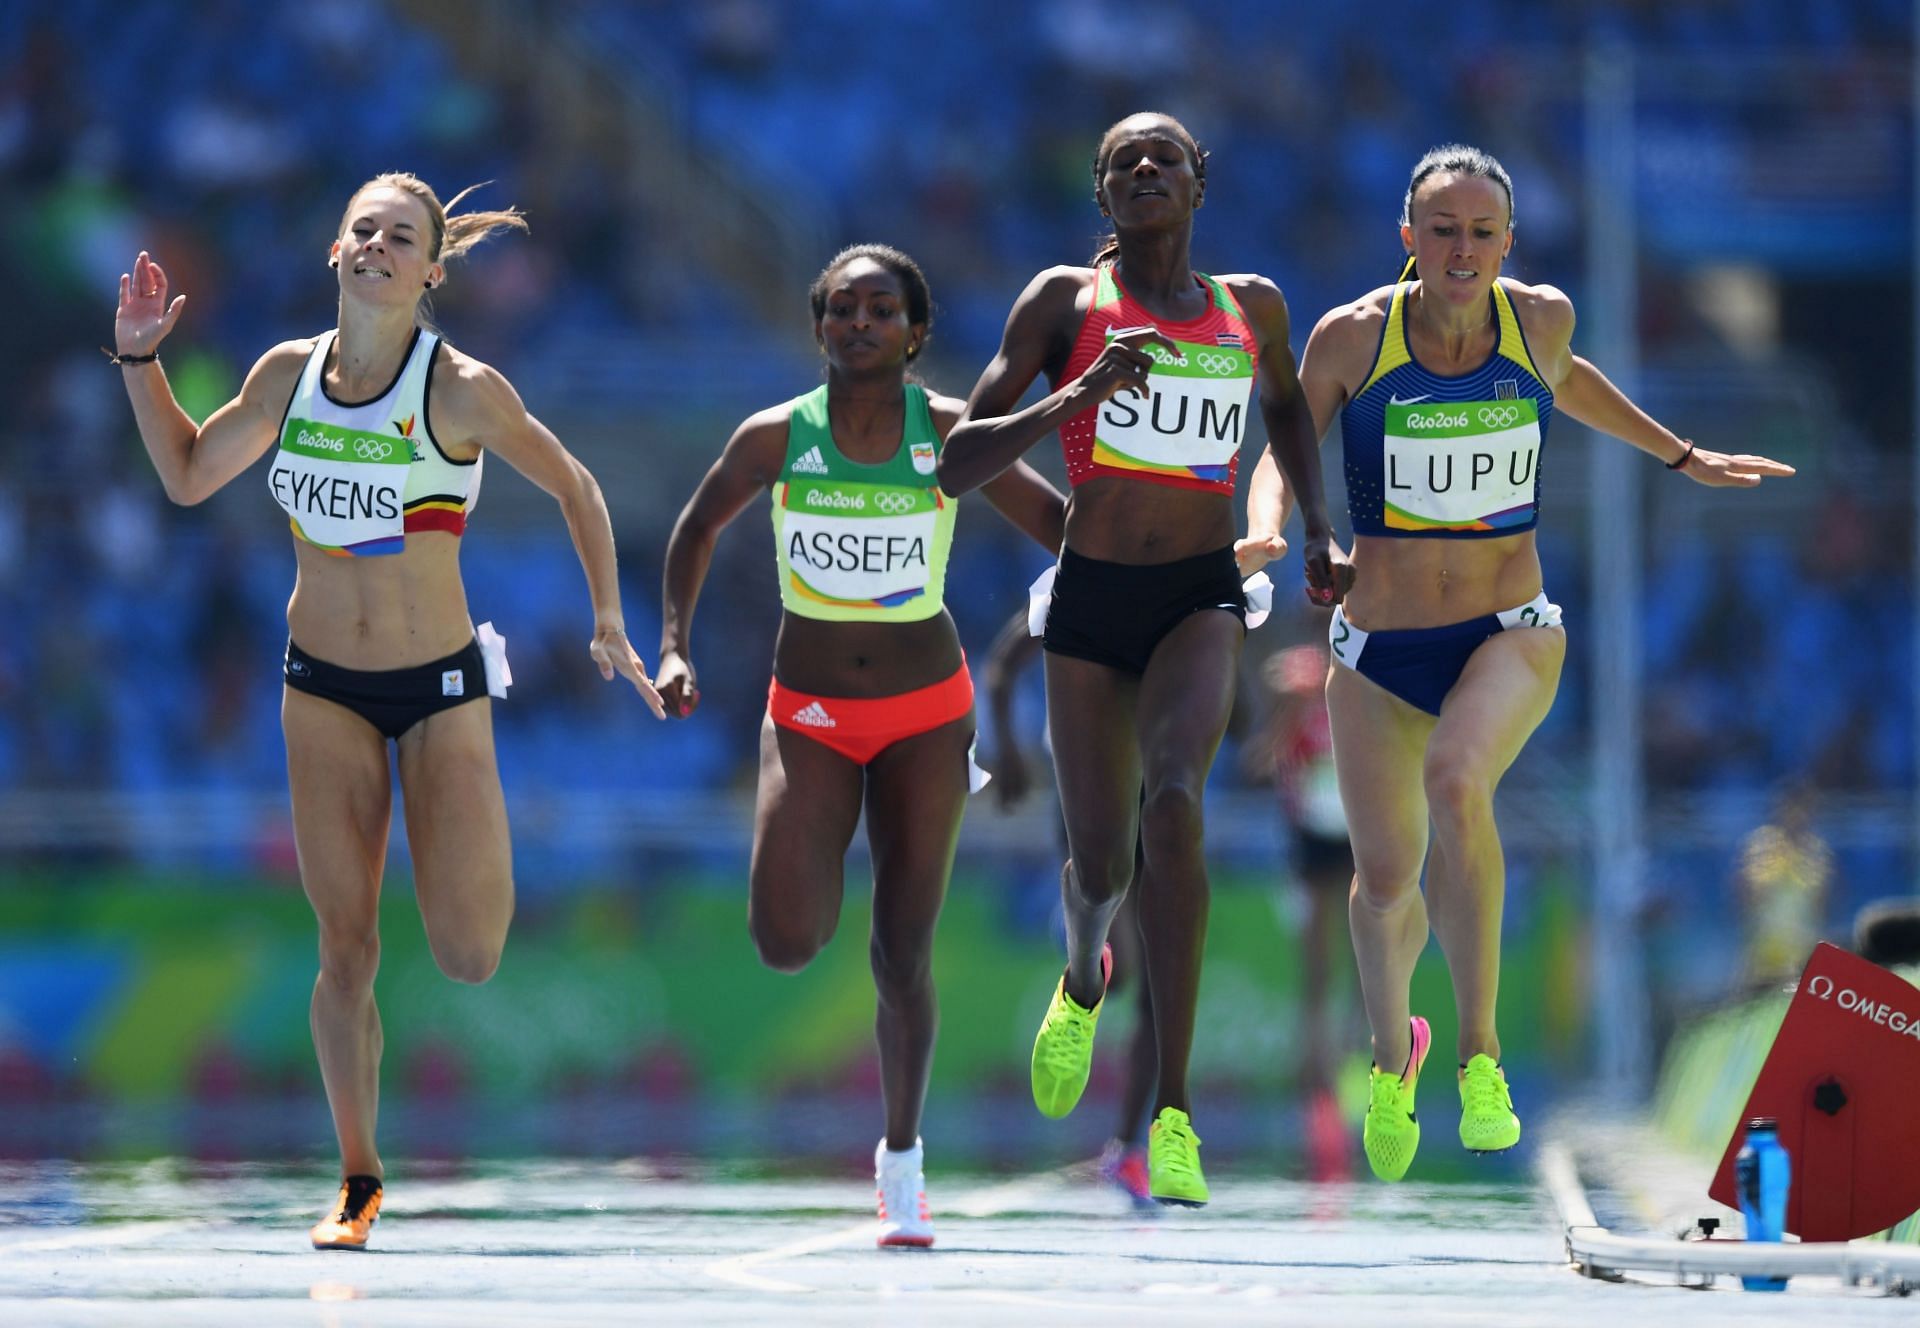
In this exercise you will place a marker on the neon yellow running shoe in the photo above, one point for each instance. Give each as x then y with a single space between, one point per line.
1173 1161
1391 1132
1063 1048
1487 1122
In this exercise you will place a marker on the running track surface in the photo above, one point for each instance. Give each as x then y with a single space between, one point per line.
531 1243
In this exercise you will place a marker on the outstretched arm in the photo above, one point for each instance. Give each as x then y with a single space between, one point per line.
747 468
478 406
1583 393
195 461
1589 396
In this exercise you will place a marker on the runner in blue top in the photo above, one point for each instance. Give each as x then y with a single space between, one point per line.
1447 651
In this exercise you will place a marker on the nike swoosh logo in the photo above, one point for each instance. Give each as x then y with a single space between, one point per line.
1393 400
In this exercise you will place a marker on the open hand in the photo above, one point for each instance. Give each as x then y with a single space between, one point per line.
1723 470
615 654
144 317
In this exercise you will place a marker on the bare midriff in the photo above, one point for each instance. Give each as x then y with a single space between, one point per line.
1125 521
372 614
1401 584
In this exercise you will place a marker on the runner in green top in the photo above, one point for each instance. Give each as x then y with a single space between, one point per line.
871 704
861 541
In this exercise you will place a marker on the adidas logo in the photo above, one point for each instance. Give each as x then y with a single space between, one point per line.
810 462
813 714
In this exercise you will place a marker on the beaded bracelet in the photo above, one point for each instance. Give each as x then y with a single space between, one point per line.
112 358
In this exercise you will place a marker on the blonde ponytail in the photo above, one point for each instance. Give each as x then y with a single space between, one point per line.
452 236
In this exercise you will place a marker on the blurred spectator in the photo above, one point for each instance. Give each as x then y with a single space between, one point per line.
1784 869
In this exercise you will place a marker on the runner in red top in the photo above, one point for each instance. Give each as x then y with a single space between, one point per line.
1145 626
1227 351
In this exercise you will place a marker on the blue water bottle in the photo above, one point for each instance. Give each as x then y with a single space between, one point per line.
1761 1174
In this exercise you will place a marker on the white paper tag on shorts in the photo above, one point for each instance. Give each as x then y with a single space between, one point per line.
977 778
1259 591
1039 597
493 653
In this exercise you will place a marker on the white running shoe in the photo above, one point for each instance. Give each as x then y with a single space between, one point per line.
902 1191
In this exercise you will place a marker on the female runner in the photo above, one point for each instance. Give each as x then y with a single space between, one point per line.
871 704
381 428
1151 364
1447 652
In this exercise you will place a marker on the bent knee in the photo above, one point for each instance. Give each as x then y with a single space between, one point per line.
469 961
349 958
1172 816
1458 790
1385 887
782 946
1099 878
901 967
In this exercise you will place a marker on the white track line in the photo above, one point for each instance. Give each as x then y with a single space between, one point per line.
738 1269
1016 1193
985 1202
131 1233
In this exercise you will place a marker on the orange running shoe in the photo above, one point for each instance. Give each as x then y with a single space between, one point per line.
347 1227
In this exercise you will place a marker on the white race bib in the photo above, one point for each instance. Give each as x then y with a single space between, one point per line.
857 542
343 488
1470 465
1194 417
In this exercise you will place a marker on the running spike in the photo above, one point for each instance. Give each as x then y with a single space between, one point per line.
1487 1122
352 1219
1173 1161
1391 1132
1063 1049
900 1185
1124 1166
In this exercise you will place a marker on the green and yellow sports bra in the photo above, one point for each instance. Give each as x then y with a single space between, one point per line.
859 542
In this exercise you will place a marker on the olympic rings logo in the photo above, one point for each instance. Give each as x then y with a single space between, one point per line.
894 504
1218 365
1499 417
373 449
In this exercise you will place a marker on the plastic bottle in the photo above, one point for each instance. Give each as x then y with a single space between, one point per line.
1761 1175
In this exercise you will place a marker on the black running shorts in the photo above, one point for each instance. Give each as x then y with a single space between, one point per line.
1117 613
392 700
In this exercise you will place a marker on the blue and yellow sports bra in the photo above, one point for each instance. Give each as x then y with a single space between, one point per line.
1431 457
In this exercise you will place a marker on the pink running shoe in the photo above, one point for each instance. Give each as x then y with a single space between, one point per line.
1124 1167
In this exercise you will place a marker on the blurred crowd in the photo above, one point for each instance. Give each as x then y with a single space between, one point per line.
141 642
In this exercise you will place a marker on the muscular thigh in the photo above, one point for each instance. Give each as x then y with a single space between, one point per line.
1379 744
1091 718
916 796
457 817
342 802
1186 697
1504 692
804 817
